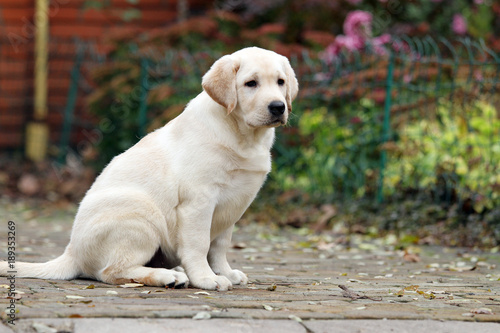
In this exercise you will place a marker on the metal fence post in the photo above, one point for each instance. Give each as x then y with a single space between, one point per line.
70 104
143 103
386 124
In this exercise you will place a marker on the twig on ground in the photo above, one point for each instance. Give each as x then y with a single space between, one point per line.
346 292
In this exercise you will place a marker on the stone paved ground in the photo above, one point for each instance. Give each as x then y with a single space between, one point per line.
294 286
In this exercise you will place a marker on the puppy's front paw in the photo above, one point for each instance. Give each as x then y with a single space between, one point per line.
214 282
237 277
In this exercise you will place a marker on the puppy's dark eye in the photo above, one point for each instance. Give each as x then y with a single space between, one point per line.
251 84
281 82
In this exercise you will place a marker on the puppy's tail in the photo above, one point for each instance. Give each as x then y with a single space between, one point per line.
61 268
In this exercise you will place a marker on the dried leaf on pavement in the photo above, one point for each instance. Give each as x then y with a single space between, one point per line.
202 315
486 311
411 257
131 285
74 297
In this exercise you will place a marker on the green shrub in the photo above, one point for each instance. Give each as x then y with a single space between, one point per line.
339 155
131 81
458 149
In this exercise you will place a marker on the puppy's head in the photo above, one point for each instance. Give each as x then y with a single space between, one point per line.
258 84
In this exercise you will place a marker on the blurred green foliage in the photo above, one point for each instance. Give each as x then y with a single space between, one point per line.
462 154
339 155
453 156
162 85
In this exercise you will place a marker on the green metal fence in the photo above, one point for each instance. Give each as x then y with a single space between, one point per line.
423 116
446 121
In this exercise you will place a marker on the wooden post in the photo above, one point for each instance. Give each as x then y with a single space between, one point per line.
37 132
182 10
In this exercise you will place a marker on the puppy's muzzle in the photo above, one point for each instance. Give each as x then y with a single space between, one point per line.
277 110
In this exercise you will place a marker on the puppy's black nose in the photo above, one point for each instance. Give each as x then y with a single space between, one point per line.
276 108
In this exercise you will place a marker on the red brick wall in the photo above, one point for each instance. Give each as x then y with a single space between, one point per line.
67 19
16 70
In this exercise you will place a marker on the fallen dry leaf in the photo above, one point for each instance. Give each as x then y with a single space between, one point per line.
486 311
239 246
86 302
462 269
438 291
74 297
411 257
272 287
294 317
412 288
400 293
426 294
42 328
268 307
75 315
28 184
462 301
323 246
328 211
202 315
16 297
131 285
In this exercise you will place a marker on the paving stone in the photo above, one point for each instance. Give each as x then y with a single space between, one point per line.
5 328
142 325
399 326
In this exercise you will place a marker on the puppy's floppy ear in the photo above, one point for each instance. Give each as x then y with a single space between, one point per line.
220 82
292 85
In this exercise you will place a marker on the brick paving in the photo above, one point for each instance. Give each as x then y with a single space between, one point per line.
294 286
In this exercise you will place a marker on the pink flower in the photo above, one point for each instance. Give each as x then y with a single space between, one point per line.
382 39
351 43
358 34
379 42
330 53
459 25
355 120
478 75
358 23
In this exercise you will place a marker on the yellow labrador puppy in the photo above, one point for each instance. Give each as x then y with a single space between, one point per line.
162 213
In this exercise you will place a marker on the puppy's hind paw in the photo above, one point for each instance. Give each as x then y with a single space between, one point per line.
181 281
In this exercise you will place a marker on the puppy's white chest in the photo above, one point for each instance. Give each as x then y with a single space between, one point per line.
237 192
244 182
